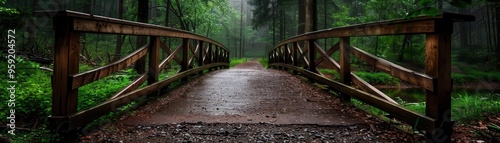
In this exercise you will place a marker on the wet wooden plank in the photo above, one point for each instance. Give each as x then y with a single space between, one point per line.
398 111
87 77
89 115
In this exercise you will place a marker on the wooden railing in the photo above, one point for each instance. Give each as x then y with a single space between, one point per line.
436 80
205 54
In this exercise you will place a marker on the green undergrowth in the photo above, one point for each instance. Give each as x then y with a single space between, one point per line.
234 62
465 108
33 98
471 75
264 62
372 78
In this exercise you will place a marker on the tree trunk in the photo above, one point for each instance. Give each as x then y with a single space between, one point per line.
464 41
87 7
406 41
302 17
142 16
241 28
497 13
274 24
119 42
311 16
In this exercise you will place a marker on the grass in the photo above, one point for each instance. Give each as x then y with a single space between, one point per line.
234 62
34 97
264 62
465 108
372 78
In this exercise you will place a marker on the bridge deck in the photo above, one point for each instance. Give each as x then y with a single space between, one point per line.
247 93
259 105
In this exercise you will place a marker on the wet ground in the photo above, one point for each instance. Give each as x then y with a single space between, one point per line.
247 103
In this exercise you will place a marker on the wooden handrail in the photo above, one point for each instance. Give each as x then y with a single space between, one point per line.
66 80
436 80
87 77
84 22
419 25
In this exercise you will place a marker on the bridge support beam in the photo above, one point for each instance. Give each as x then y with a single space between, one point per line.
209 58
154 56
345 64
185 56
66 61
200 55
438 65
295 61
312 56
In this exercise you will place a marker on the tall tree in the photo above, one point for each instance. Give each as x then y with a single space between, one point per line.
119 40
142 16
497 17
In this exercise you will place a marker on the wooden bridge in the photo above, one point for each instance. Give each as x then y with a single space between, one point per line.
298 54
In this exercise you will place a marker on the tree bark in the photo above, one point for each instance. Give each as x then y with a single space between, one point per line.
311 23
119 42
302 17
406 41
497 13
142 16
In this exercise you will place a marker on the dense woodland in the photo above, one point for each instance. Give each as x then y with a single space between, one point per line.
248 28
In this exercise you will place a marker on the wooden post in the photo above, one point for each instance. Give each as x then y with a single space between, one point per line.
345 66
154 57
66 62
438 65
294 55
200 55
209 55
312 56
185 56
287 54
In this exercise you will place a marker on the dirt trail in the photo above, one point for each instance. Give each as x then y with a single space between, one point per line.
250 104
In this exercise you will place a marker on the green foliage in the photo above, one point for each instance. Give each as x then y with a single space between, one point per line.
467 107
41 134
234 62
98 91
336 76
377 78
33 91
264 62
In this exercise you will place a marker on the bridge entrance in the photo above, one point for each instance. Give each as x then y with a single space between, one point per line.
247 103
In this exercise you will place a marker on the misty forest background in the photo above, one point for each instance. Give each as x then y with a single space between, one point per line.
248 28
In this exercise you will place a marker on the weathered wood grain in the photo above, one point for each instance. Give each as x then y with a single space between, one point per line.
87 77
394 70
86 116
